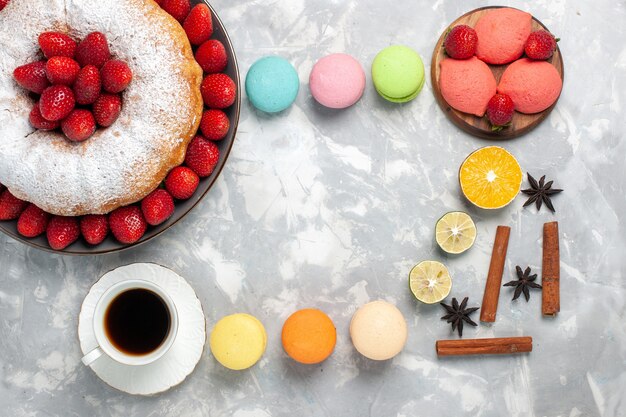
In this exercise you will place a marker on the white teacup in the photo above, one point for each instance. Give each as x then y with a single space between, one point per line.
108 347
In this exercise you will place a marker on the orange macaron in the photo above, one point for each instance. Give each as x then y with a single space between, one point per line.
309 336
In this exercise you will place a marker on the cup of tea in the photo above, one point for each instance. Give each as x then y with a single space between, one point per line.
135 323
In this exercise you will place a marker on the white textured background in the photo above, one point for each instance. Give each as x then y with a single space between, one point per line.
331 209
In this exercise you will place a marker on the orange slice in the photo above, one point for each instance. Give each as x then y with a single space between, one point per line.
490 177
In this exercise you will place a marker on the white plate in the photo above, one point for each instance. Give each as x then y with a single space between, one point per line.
178 362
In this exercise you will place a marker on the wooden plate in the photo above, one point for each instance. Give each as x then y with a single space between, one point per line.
109 245
479 126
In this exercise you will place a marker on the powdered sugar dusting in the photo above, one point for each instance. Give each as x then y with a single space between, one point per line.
118 165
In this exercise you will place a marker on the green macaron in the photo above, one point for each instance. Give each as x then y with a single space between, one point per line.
398 73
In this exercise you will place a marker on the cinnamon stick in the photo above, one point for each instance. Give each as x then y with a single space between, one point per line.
494 277
550 276
491 346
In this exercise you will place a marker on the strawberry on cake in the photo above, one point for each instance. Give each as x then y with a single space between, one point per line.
117 107
502 34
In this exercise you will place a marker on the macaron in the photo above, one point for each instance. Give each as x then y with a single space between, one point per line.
238 341
378 330
337 81
272 84
309 336
398 73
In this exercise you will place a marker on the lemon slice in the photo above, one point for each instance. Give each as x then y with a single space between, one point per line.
430 281
455 232
490 177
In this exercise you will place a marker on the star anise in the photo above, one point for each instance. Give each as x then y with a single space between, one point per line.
457 314
540 192
523 283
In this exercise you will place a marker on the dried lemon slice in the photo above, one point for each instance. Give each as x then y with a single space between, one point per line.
430 281
490 177
455 232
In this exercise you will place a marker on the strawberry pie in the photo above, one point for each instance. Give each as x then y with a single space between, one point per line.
98 102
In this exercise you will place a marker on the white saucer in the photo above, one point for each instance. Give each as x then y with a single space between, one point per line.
178 362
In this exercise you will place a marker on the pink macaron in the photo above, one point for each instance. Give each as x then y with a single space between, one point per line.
337 81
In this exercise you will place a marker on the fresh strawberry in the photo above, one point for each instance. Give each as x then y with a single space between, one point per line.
127 224
57 44
87 85
56 102
116 75
62 232
10 206
157 206
198 24
202 156
38 122
461 42
93 50
218 91
179 9
214 124
211 56
3 4
62 70
94 228
159 2
181 182
32 76
500 111
79 125
107 109
32 222
540 45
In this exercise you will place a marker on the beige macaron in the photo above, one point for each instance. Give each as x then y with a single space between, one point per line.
378 330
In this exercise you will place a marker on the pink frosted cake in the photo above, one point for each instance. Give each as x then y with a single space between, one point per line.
467 84
532 85
502 34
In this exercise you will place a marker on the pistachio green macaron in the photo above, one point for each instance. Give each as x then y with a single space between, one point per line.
398 73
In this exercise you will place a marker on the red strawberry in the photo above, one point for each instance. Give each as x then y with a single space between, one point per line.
211 56
10 206
181 182
32 76
461 42
198 24
94 228
106 109
218 91
500 111
56 102
214 124
87 85
179 9
62 70
32 221
93 50
540 45
57 44
127 224
157 207
3 4
62 232
116 75
158 2
38 122
202 156
79 125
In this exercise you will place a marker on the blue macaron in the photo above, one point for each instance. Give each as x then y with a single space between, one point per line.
272 84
